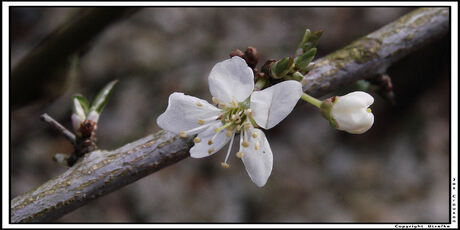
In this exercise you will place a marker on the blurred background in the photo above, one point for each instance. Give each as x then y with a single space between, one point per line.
396 172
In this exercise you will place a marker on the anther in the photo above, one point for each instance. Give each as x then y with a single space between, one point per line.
369 110
257 146
210 142
235 117
215 100
183 134
248 111
254 135
245 144
224 165
228 133
201 122
196 140
234 104
239 154
199 104
221 106
247 125
210 151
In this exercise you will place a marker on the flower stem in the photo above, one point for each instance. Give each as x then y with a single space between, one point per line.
311 100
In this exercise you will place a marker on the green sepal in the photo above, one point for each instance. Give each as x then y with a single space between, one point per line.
326 108
83 103
306 37
282 67
301 62
102 97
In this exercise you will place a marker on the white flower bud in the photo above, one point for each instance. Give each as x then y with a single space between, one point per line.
76 121
351 112
93 116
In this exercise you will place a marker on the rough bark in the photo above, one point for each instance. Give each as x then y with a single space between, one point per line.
374 53
101 172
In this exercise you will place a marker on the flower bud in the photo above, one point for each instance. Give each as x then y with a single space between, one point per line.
350 113
76 122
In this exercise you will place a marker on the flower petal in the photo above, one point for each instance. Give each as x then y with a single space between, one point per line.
230 80
353 100
258 161
203 148
184 111
273 104
356 122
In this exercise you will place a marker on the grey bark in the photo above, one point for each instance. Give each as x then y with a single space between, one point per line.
101 172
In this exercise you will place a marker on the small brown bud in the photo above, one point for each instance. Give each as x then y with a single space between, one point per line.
237 52
266 68
251 57
86 128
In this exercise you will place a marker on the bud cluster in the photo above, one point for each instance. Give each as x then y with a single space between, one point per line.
84 121
288 68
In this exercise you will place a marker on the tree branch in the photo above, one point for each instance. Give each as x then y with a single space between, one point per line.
373 54
101 172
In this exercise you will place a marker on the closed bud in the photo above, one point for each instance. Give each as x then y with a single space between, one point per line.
350 113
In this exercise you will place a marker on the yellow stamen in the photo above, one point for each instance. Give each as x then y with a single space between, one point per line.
224 165
210 151
239 154
196 140
247 125
254 135
199 104
183 134
257 146
234 104
369 110
221 106
215 100
248 111
222 127
210 142
245 144
201 122
228 133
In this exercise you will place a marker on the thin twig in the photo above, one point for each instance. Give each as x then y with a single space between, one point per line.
61 129
101 172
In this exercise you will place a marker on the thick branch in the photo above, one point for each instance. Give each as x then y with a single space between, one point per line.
37 73
101 172
374 53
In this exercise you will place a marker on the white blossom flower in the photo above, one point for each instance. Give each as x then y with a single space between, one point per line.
238 110
351 112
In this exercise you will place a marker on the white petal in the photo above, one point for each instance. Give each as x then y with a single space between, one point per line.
258 162
230 80
184 111
273 104
356 122
202 148
353 100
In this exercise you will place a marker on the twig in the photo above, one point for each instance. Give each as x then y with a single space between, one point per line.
101 172
61 129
